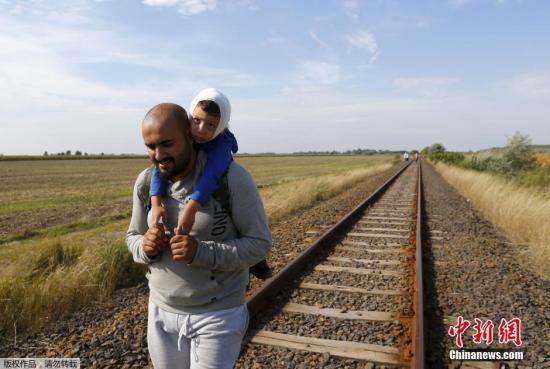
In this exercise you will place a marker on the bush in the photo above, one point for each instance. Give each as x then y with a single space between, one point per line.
454 158
519 154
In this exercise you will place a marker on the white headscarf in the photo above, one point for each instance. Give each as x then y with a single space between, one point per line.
223 102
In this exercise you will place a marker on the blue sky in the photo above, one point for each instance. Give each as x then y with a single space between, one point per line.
301 75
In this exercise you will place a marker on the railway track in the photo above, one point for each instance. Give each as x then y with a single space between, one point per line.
353 293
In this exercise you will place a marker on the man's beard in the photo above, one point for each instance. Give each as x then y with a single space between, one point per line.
177 166
166 174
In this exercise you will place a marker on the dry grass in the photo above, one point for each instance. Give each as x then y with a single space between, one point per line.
523 214
287 197
543 160
45 280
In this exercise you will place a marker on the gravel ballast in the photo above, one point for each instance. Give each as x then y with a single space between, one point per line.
474 271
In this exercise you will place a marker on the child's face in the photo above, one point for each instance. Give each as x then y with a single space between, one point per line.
203 125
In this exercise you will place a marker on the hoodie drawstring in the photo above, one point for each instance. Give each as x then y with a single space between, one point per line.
184 331
185 327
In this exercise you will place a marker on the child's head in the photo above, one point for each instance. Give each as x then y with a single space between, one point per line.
209 114
204 121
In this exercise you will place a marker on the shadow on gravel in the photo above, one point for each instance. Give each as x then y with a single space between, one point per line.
434 325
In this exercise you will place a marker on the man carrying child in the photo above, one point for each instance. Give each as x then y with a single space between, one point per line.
197 276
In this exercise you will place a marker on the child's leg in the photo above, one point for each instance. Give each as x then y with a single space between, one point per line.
186 218
157 210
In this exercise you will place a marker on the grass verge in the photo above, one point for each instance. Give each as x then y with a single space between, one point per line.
522 213
288 197
59 275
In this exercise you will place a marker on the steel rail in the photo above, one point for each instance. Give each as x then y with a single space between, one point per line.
257 301
418 305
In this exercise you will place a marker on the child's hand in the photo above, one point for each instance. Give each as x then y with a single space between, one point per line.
159 214
186 218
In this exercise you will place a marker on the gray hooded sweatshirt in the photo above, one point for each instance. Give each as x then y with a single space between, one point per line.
228 245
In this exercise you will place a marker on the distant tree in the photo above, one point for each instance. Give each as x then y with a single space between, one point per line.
437 147
102 154
45 153
68 152
85 154
78 153
518 152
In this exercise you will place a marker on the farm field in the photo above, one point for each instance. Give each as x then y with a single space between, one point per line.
63 222
38 195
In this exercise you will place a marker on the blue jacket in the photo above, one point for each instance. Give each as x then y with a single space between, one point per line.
219 156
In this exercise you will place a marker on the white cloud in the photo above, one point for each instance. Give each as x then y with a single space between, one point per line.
61 12
531 85
425 86
416 82
364 40
313 72
186 7
352 8
39 65
320 42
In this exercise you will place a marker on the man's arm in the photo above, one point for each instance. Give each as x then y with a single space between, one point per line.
248 215
138 228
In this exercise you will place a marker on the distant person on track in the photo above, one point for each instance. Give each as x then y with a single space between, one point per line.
210 112
406 156
197 312
415 156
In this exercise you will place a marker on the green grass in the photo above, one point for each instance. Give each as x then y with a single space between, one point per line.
529 169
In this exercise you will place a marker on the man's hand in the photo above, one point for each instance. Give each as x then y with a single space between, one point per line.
184 248
154 240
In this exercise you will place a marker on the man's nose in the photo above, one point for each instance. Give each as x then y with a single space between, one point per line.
159 154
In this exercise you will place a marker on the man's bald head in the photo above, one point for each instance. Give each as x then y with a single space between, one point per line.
167 113
166 133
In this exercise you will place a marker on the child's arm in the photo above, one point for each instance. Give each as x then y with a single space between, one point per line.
219 157
158 188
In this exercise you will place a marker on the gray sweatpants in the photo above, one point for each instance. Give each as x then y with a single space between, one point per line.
195 341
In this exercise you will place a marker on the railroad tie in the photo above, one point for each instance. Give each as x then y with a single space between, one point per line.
333 268
336 288
363 261
377 235
344 349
